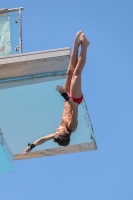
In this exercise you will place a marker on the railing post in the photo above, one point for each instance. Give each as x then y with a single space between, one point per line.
20 31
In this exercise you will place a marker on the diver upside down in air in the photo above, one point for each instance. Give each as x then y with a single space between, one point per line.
72 93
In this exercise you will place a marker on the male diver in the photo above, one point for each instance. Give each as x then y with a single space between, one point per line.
72 93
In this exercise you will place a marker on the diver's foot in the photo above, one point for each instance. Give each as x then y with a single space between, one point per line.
84 40
77 38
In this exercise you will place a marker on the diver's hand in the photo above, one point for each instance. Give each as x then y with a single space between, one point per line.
27 150
60 89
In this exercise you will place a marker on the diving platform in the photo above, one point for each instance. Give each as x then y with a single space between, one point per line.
35 108
32 68
30 105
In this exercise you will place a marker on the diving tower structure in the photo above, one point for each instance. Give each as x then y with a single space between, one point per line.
23 70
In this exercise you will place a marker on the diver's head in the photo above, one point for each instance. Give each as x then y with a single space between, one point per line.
62 136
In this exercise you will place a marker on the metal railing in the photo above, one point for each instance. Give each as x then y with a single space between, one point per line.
5 11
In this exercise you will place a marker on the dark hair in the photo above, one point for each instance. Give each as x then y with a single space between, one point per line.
63 141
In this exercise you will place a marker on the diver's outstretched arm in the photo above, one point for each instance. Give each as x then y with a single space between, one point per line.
38 142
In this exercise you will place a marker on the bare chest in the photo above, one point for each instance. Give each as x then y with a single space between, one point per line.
69 119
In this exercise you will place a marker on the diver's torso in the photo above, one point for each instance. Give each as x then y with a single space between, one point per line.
68 118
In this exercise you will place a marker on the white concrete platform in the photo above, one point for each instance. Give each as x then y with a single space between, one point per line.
36 67
6 157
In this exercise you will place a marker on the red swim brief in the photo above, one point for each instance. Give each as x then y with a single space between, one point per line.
76 100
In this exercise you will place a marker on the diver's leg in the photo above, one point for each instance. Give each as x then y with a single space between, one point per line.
73 62
75 88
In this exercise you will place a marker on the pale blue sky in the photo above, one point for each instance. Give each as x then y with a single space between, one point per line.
107 85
